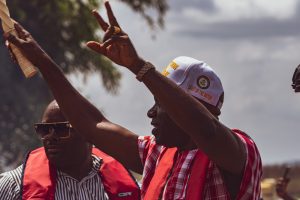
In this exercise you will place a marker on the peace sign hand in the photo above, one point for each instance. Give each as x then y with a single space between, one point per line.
116 44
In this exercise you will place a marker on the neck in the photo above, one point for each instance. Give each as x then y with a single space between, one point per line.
79 170
189 146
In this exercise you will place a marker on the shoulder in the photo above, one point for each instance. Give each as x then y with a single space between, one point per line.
10 183
13 175
251 148
253 156
146 140
97 162
148 149
253 166
147 145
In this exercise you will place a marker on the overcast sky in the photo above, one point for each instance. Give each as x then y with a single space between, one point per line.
253 45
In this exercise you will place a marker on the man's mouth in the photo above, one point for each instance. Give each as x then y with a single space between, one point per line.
53 149
155 128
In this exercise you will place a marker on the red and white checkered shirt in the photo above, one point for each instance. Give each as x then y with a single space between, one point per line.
215 188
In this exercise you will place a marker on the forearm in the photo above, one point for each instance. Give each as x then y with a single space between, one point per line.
89 121
81 113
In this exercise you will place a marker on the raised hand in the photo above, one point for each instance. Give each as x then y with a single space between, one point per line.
116 44
26 43
281 186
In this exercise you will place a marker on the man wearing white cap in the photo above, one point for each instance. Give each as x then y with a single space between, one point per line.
191 154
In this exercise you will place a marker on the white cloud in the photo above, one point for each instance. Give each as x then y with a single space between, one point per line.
288 52
249 52
231 10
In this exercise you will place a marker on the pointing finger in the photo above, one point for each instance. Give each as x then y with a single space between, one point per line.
112 19
100 20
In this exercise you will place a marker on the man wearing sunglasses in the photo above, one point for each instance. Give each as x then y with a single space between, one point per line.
66 167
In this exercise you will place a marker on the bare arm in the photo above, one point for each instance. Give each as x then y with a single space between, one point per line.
85 118
216 140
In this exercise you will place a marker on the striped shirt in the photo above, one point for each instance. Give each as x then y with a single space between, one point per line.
89 188
215 187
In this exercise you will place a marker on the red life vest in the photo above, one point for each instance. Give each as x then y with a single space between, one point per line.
39 178
197 177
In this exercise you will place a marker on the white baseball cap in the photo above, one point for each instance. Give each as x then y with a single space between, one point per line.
197 79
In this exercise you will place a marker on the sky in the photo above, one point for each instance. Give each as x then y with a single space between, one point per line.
254 47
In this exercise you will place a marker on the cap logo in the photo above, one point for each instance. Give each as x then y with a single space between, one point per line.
172 66
203 94
203 82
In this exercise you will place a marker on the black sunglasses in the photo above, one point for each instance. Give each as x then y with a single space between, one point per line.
60 129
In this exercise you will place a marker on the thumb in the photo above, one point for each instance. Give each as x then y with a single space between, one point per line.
95 46
13 39
12 55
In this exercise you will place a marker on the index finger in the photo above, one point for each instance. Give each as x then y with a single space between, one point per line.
100 20
112 19
21 31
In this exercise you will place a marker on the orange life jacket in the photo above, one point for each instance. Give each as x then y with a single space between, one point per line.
39 178
197 177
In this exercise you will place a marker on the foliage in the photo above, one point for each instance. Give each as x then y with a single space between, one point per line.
140 6
21 104
61 27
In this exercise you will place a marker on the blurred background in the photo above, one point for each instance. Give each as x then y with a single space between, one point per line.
253 46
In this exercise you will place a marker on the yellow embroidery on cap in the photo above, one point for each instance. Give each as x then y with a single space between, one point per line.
170 67
165 72
173 65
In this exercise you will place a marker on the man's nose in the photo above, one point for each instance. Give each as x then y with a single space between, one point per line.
152 112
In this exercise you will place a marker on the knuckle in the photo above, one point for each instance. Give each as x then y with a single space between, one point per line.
27 44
